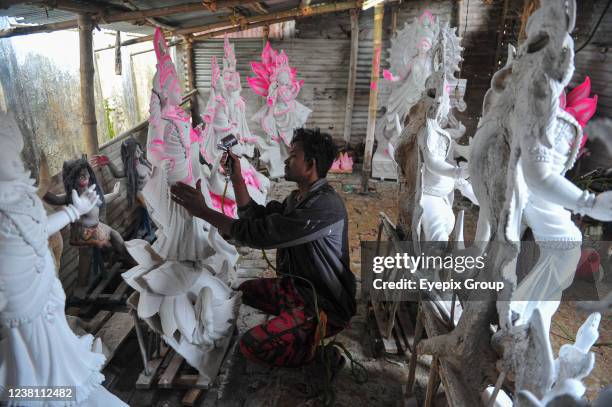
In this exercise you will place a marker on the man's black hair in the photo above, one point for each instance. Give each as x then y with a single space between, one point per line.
318 146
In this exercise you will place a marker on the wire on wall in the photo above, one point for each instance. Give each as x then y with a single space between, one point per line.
596 27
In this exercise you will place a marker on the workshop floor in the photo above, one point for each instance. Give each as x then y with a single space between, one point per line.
242 383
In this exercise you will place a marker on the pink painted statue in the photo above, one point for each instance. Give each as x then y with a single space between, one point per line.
220 121
277 82
182 278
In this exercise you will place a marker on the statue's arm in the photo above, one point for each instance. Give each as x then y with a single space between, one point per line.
547 183
113 195
435 159
115 171
61 218
71 213
104 161
54 199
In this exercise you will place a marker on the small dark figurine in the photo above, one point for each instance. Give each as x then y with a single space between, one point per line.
136 169
88 231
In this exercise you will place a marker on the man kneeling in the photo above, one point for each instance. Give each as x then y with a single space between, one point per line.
309 229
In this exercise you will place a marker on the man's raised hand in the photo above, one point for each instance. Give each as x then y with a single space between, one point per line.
190 198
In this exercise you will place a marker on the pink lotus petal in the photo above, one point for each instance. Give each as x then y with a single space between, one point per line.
579 92
585 109
335 165
259 86
260 70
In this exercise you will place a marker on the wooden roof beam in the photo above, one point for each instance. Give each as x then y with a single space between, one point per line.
259 7
121 16
243 23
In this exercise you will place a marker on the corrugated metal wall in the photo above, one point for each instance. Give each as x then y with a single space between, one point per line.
595 60
321 55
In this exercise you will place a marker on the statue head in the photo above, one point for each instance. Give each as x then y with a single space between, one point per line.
437 92
165 82
231 78
78 175
548 36
229 60
274 67
11 144
215 74
426 32
131 155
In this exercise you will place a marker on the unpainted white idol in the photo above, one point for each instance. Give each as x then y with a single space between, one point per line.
182 278
37 347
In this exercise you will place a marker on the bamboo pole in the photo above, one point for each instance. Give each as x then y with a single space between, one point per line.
104 18
350 93
238 24
265 35
394 14
217 33
190 76
88 110
377 49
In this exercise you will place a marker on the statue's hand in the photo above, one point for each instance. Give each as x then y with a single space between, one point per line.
602 209
116 188
86 201
463 171
99 161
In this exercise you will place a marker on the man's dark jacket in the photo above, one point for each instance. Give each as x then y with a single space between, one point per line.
311 237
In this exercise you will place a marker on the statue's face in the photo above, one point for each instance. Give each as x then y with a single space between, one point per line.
137 152
83 178
284 78
424 45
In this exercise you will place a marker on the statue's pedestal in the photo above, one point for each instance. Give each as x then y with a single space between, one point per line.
383 167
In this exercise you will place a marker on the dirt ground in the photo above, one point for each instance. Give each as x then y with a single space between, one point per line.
242 383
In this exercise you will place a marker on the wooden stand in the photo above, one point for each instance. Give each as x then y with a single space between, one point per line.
166 369
400 336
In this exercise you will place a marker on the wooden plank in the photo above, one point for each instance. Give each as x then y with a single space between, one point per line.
381 322
167 378
97 321
191 397
114 332
119 292
145 381
104 283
